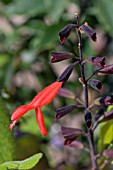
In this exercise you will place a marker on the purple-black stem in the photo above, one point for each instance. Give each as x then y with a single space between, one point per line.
85 88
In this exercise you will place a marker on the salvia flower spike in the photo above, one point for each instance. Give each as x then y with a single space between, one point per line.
64 33
90 32
43 98
60 56
96 84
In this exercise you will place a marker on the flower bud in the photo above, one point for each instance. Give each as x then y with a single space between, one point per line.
88 118
66 73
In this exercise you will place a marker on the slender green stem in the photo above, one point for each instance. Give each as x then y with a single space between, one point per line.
85 88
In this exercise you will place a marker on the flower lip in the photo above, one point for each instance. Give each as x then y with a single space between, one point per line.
40 120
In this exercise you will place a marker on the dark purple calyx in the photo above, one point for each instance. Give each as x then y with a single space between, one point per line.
60 56
65 32
99 61
65 110
96 84
90 32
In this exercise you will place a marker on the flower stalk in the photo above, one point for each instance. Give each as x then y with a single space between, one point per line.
85 88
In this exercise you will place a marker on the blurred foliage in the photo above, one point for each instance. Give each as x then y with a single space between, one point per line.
6 142
28 32
25 164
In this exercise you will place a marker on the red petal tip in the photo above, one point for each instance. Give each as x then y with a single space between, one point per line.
12 124
44 132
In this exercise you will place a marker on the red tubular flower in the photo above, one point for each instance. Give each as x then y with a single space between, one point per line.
43 98
40 120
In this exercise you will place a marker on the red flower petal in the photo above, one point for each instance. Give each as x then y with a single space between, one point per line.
46 95
40 120
20 111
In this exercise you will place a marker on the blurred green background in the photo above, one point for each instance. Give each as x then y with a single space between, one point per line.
28 33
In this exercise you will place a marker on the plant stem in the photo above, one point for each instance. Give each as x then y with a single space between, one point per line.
85 88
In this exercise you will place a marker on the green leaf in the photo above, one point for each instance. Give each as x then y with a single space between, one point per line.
106 132
104 11
30 162
25 164
9 165
6 138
